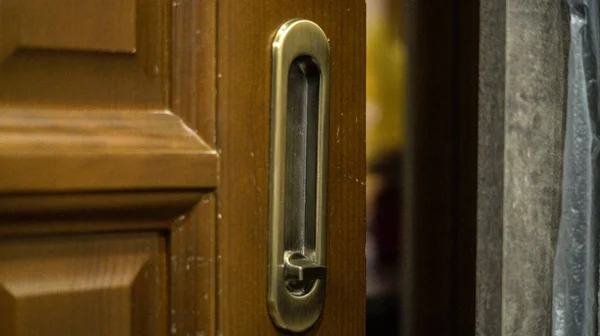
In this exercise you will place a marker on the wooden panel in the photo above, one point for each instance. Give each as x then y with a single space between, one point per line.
47 58
102 116
33 226
78 81
153 44
124 204
106 151
245 31
9 27
193 262
84 285
99 122
192 253
92 142
81 25
194 65
192 245
7 311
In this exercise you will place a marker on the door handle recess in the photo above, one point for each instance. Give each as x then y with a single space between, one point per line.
298 175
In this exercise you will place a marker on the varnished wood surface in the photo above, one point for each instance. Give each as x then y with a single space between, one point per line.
43 151
81 25
194 66
193 247
33 226
112 134
198 63
9 27
245 32
118 205
193 261
84 285
75 80
57 53
98 121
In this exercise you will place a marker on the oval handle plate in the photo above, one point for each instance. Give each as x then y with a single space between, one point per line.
298 175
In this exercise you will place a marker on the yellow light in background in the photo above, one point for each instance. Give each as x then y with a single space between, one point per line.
386 61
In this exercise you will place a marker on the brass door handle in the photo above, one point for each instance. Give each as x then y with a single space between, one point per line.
301 269
297 261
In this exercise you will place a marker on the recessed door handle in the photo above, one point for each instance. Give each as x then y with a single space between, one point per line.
297 261
299 268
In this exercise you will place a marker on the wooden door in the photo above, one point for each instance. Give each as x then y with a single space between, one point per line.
134 166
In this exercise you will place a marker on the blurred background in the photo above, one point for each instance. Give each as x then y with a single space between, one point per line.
386 63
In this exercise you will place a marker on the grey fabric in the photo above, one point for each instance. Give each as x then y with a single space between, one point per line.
576 265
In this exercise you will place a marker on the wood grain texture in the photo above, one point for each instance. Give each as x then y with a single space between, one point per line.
103 117
84 285
122 205
194 65
10 21
81 25
72 80
193 264
111 134
57 52
48 226
42 151
245 32
193 246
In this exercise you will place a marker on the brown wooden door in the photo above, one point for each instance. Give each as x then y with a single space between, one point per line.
134 166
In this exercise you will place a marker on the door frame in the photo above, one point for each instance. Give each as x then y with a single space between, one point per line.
438 276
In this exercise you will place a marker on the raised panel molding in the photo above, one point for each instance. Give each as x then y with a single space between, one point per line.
67 52
98 137
106 151
84 285
74 56
101 162
91 104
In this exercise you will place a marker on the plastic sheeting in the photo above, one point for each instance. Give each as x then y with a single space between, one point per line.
575 300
